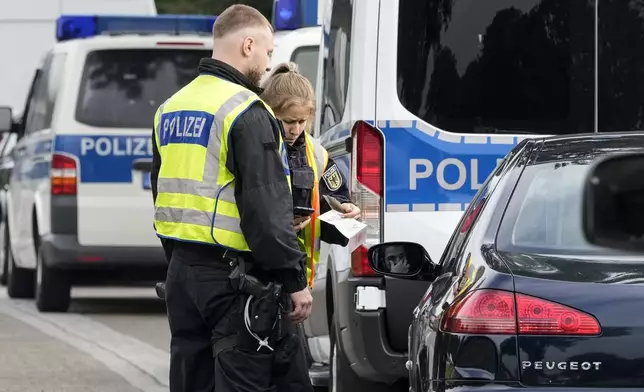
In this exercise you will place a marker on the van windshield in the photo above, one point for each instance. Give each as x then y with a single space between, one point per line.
528 66
123 88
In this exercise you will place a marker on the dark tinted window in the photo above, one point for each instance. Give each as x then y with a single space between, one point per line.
44 92
544 215
336 64
621 65
124 88
521 65
307 60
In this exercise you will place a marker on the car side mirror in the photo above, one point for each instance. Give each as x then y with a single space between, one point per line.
613 203
6 119
405 260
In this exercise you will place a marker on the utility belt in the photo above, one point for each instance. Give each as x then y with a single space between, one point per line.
263 312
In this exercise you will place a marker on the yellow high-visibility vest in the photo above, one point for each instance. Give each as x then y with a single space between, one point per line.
196 191
317 158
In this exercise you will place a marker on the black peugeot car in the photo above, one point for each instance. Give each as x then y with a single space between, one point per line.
520 299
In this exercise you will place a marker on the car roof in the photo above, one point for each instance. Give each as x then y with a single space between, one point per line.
586 147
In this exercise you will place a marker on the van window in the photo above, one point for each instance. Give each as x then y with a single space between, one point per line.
123 88
524 66
45 89
336 64
306 58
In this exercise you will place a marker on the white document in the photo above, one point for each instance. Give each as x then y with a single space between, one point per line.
353 230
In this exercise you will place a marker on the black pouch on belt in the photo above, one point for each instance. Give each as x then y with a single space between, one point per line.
284 353
263 311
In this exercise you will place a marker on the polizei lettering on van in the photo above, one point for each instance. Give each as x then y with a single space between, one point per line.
117 146
434 171
106 158
466 172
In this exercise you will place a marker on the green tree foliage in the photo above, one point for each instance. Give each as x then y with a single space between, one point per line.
210 7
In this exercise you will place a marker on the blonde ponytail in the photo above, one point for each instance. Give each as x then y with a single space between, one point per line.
286 87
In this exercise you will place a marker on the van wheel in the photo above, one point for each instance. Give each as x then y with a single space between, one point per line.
341 377
20 281
53 291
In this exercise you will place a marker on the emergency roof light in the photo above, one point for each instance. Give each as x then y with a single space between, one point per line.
83 26
294 14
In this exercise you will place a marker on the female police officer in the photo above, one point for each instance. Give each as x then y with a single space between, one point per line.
313 175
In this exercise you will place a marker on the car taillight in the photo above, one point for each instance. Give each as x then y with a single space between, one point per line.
63 175
540 317
367 183
485 312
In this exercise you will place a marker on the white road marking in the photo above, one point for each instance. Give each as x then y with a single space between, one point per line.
142 365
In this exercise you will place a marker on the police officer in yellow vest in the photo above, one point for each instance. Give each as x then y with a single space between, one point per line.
313 175
222 192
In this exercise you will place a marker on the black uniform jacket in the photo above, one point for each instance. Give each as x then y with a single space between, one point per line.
261 191
332 183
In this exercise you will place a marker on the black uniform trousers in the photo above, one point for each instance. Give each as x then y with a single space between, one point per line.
203 308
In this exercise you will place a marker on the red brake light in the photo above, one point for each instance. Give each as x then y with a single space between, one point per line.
539 317
360 263
498 312
369 160
482 312
367 190
63 175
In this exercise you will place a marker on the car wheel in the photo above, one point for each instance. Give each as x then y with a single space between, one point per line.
341 377
53 291
4 240
20 281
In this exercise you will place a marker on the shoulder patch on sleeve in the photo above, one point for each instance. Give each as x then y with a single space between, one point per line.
332 178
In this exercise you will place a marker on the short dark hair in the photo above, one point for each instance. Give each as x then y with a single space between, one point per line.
236 17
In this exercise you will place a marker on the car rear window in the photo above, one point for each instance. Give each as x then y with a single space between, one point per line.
544 215
123 88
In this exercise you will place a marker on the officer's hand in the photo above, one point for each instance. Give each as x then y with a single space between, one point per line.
350 210
302 303
301 222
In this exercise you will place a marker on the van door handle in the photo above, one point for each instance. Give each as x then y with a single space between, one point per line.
144 165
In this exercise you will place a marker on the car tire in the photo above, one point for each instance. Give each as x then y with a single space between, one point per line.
20 281
4 236
53 290
341 377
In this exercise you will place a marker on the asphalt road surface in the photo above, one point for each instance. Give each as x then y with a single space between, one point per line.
112 339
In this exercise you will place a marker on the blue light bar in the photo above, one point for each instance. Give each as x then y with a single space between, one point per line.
84 26
294 14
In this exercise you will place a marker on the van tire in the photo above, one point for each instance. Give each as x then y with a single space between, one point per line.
341 377
20 281
53 291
